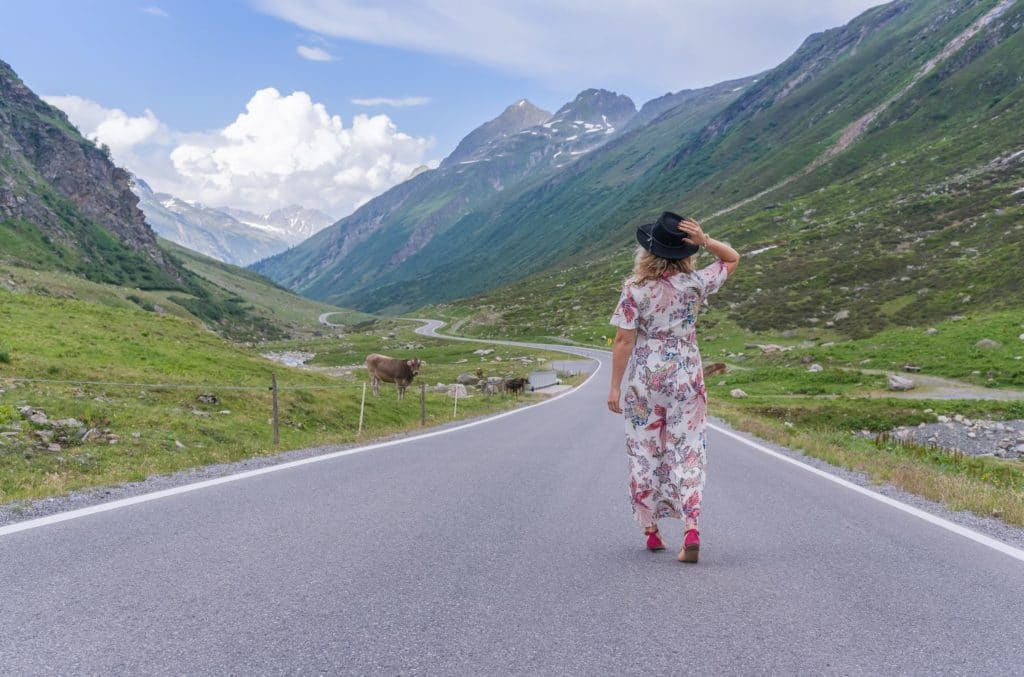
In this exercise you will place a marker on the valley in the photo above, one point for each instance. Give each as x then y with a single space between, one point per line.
873 181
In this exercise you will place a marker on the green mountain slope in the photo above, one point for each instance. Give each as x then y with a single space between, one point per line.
63 204
882 161
879 171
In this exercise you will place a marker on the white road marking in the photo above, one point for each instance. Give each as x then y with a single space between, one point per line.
988 541
196 486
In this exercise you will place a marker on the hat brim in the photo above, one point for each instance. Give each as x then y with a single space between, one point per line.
647 241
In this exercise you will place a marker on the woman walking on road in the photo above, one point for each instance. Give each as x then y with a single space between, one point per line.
665 403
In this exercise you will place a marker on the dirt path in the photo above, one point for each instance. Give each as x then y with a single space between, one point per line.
938 388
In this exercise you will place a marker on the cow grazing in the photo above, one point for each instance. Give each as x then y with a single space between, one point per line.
515 385
391 370
716 368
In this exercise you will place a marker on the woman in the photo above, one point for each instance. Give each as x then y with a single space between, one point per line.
665 403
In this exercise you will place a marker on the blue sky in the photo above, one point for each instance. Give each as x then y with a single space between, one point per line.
156 79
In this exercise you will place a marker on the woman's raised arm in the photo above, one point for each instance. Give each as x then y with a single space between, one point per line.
696 235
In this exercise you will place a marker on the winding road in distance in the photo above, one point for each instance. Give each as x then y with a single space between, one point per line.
506 546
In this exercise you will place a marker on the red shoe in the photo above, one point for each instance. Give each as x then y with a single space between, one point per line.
654 542
691 547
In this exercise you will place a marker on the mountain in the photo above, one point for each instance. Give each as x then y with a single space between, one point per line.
878 171
63 203
382 236
70 227
517 117
290 224
231 235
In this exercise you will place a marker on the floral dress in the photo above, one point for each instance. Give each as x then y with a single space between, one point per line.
665 402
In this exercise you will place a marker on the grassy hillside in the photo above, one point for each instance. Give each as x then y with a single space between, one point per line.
881 161
132 380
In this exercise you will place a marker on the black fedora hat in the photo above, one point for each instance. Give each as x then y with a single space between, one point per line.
663 238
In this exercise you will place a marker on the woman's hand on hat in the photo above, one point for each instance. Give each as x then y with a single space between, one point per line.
694 233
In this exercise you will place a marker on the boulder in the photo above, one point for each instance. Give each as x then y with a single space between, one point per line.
900 382
458 390
771 348
736 392
987 344
39 418
483 352
931 331
913 368
815 367
66 423
467 380
207 398
1021 337
841 315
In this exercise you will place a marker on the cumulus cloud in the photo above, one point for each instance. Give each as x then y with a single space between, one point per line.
664 44
281 150
156 11
397 103
314 53
111 126
286 149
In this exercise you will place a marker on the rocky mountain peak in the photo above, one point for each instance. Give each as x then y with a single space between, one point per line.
598 106
518 116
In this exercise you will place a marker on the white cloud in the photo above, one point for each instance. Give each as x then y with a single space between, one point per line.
664 44
314 53
282 150
111 126
156 11
397 103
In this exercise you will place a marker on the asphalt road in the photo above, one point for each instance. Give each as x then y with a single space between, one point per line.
506 547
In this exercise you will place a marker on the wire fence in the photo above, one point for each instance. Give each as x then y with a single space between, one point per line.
451 392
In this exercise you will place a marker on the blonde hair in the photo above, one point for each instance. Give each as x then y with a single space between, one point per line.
648 266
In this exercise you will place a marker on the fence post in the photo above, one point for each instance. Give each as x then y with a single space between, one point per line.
455 413
273 388
423 404
362 406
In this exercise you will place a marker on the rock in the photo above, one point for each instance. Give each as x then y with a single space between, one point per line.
91 434
467 380
841 315
39 418
913 368
207 398
483 351
958 318
457 390
136 435
1021 337
66 423
987 344
770 348
942 419
53 447
202 414
815 367
900 382
224 412
179 445
1019 449
736 392
789 333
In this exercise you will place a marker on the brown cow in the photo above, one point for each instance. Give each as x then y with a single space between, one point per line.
391 370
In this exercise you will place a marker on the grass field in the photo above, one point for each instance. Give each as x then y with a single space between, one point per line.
162 427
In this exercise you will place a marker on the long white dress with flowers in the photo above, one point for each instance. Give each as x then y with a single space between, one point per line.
665 402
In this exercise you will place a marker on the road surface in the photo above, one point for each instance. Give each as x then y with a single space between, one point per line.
506 547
